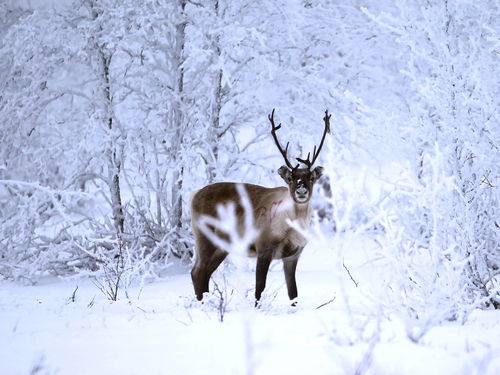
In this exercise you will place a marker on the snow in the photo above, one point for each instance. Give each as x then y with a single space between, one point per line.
161 329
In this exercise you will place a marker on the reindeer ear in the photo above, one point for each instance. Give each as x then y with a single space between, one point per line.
285 174
317 173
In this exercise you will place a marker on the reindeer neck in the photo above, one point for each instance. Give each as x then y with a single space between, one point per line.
301 208
302 212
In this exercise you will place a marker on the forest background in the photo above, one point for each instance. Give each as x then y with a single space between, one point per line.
113 113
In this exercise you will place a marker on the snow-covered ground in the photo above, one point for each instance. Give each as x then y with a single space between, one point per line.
161 329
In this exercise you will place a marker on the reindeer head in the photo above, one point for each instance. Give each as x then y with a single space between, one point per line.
300 180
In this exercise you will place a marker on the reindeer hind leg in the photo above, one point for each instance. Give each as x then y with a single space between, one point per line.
208 259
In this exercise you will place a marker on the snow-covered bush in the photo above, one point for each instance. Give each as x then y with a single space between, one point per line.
424 268
37 230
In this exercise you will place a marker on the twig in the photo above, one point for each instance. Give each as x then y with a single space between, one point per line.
349 273
223 301
326 303
73 296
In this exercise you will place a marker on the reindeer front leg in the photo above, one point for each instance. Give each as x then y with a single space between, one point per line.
263 262
289 266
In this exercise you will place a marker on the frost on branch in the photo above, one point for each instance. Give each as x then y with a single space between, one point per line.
227 231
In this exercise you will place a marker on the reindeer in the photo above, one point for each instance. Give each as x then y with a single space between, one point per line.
274 209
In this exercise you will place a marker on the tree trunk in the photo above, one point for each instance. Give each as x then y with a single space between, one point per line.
179 125
216 108
114 162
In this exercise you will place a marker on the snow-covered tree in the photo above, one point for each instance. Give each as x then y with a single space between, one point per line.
114 112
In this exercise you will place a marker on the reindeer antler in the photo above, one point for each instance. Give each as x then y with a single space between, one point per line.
274 128
307 162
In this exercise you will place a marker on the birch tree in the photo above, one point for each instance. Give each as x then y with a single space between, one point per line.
102 53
